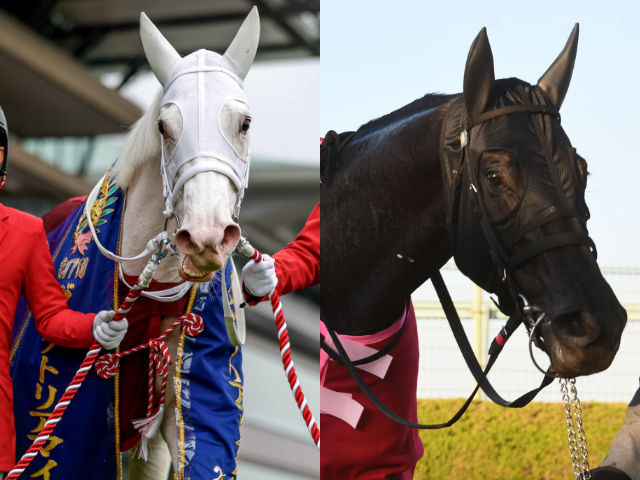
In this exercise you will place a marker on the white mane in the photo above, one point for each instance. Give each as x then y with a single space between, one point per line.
141 146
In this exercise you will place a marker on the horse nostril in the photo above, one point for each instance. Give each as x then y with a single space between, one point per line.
231 237
577 327
184 241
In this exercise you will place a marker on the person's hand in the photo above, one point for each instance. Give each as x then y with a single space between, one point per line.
260 278
109 334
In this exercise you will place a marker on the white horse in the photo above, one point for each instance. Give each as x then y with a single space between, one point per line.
207 232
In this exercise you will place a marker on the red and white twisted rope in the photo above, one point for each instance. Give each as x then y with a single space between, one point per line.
107 366
287 361
71 390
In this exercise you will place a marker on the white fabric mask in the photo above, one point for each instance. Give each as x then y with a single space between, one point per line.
200 87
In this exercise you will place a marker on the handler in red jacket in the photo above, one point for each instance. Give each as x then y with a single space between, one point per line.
296 266
26 268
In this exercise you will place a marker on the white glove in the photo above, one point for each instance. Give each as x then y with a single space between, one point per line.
260 278
109 333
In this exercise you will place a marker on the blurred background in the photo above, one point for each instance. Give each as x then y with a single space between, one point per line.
73 78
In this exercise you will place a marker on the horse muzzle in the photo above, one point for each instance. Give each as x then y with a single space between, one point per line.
200 267
578 344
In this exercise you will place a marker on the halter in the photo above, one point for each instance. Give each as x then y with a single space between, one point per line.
500 244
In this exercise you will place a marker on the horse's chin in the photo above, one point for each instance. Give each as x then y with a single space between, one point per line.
190 272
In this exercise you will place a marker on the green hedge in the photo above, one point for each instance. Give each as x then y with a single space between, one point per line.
495 443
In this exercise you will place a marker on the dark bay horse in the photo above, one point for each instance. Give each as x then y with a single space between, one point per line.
385 215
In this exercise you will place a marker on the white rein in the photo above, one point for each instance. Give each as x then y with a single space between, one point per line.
168 295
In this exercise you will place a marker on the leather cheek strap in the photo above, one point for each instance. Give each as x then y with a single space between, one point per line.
549 243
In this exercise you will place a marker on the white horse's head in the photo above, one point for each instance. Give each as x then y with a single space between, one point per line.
202 122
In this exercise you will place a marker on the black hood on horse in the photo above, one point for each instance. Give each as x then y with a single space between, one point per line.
552 185
511 116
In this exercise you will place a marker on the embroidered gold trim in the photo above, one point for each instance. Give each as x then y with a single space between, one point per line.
221 475
237 383
24 325
98 210
192 298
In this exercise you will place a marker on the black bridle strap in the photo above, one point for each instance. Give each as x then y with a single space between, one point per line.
539 222
467 352
376 356
546 151
527 108
549 243
386 410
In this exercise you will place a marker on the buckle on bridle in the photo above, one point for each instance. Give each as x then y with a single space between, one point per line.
464 139
529 311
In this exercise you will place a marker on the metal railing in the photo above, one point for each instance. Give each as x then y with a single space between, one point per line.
444 374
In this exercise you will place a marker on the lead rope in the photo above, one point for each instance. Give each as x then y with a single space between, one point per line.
143 282
285 351
576 439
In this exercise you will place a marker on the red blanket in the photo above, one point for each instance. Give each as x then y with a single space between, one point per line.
378 448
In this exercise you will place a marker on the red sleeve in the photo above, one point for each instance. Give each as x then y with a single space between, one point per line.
298 264
53 318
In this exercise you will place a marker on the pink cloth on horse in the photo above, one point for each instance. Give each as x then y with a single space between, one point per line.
341 405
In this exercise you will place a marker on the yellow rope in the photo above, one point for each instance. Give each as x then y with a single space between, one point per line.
192 298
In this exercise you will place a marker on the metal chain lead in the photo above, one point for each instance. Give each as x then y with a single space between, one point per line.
582 439
581 471
571 433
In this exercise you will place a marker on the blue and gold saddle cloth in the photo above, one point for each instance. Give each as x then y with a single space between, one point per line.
86 442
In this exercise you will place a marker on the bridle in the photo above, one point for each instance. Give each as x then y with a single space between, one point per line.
456 171
504 262
228 86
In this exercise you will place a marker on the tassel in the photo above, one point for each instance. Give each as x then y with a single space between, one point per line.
148 427
143 448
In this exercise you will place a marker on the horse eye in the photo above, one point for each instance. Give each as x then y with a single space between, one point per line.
162 130
496 179
245 125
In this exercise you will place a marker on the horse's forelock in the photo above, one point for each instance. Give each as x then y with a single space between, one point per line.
142 145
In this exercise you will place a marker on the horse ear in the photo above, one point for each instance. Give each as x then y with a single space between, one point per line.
163 58
555 81
240 54
479 79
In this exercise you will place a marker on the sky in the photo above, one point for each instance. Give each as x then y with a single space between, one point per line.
377 56
284 98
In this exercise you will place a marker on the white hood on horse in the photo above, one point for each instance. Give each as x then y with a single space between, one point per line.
218 80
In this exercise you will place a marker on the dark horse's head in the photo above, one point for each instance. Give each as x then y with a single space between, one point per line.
516 188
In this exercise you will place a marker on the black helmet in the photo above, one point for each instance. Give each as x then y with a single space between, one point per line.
4 142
